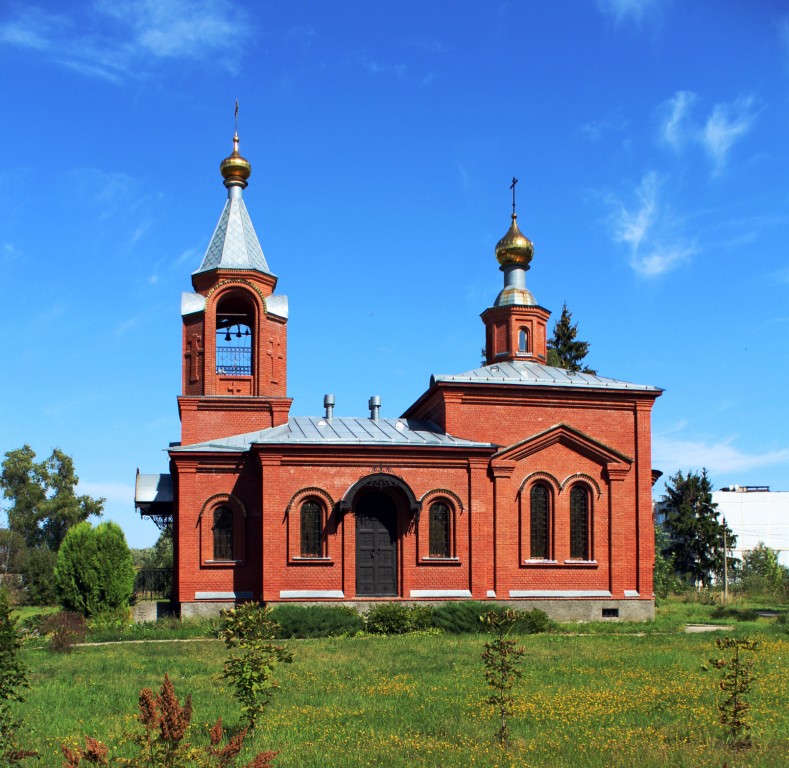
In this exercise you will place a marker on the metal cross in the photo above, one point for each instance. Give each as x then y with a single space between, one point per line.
236 115
512 187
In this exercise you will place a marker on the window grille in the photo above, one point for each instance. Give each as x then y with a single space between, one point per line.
579 523
539 521
223 534
439 530
311 529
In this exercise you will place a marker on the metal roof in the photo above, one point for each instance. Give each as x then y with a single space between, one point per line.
153 489
234 244
315 430
522 373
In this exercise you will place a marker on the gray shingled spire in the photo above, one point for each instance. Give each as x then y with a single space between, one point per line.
234 244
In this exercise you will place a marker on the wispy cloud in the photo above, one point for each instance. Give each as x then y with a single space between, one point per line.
113 40
723 457
726 124
628 10
716 134
674 129
649 230
9 252
375 67
594 130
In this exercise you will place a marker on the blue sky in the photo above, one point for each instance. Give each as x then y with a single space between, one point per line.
649 137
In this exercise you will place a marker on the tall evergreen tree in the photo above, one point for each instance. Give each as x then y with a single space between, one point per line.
564 350
695 530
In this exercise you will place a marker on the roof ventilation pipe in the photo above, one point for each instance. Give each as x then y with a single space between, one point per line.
328 404
375 407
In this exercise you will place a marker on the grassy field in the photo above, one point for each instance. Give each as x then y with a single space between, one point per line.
619 697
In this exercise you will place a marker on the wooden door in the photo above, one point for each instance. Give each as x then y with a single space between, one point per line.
376 546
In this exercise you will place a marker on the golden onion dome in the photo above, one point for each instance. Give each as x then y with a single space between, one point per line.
514 247
235 169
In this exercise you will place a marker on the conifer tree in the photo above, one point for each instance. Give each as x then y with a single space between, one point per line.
564 350
695 530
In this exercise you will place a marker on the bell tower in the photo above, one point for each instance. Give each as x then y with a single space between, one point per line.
515 326
234 328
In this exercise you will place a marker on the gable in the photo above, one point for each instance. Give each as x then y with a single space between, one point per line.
567 437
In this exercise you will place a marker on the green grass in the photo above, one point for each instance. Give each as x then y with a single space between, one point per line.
418 700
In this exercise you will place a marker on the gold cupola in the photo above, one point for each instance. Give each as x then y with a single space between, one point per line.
235 169
514 247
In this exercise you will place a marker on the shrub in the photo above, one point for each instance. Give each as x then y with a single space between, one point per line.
502 657
398 619
735 685
316 621
64 629
94 569
463 617
252 657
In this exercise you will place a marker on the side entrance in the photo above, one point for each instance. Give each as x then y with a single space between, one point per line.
376 546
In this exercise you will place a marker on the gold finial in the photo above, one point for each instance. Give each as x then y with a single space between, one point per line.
514 247
235 169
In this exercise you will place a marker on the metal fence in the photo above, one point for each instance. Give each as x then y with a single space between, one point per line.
154 584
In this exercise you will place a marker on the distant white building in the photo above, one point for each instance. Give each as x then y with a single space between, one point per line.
755 513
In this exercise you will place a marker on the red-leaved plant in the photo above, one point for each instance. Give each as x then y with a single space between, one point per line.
163 742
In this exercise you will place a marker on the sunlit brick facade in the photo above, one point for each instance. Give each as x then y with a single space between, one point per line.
513 482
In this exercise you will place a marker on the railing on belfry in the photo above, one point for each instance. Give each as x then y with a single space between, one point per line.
153 584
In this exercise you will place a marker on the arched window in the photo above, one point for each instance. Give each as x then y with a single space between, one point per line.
311 529
579 523
523 340
439 534
223 533
539 523
234 324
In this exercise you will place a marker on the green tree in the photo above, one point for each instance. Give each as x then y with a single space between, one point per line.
695 529
564 350
12 551
13 680
94 571
38 576
664 578
761 569
43 502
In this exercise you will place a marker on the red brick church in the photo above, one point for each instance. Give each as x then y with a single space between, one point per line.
514 481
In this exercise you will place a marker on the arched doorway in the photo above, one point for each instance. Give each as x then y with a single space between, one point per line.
376 545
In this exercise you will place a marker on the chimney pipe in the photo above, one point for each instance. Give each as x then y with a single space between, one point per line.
328 404
375 407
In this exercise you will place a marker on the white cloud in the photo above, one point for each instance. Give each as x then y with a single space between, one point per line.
671 454
119 39
726 124
624 10
675 127
648 229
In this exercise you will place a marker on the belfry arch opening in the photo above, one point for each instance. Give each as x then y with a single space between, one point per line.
234 336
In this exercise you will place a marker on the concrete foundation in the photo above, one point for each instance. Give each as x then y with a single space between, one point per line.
559 610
